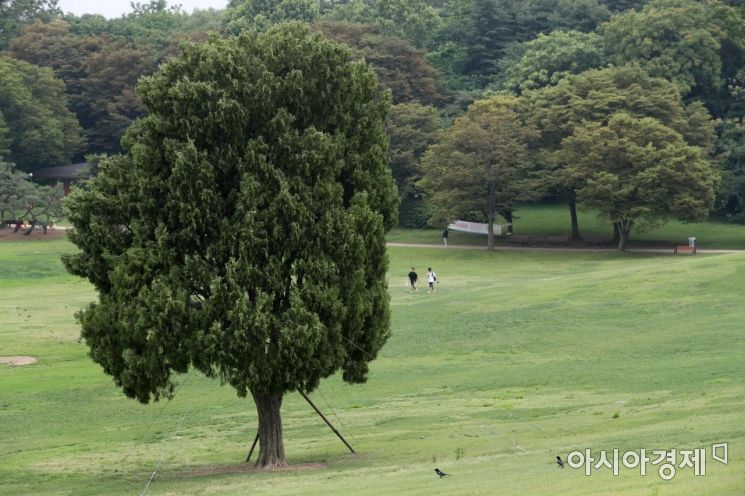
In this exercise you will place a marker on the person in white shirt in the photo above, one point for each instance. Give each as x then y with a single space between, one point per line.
431 279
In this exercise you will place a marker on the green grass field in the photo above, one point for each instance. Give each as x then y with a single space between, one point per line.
517 358
553 220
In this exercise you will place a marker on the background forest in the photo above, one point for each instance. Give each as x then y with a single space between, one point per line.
663 80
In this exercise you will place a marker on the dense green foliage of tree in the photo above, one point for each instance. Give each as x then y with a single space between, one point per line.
15 13
446 54
20 199
412 127
261 14
636 172
481 165
243 232
697 44
593 97
13 186
41 131
400 67
547 59
413 20
731 150
597 94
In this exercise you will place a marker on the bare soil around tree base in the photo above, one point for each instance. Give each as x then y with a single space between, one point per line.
249 467
17 360
37 234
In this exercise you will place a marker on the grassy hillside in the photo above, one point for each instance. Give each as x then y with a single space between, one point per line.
553 220
517 358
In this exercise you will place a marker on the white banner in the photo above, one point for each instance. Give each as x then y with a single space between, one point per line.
474 227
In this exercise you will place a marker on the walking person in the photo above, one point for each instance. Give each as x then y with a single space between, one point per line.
431 279
445 236
413 278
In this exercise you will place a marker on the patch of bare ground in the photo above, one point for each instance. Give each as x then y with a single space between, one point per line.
37 234
17 360
557 241
242 468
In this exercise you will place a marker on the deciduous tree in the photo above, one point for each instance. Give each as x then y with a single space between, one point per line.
696 44
42 131
400 67
594 96
481 165
636 171
15 13
548 59
412 127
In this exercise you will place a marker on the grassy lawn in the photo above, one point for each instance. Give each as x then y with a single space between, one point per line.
553 220
517 358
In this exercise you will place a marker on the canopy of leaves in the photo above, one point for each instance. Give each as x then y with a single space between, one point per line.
635 170
731 149
22 199
261 14
399 66
596 95
100 73
13 186
412 127
495 24
242 233
481 165
413 20
686 41
41 130
15 13
548 59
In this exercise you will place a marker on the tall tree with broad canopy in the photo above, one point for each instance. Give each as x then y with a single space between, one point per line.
412 128
15 13
698 44
636 171
481 165
41 130
547 59
594 96
242 232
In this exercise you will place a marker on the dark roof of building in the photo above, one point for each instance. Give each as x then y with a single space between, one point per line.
82 170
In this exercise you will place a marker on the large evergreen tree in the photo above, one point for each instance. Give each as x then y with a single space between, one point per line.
242 233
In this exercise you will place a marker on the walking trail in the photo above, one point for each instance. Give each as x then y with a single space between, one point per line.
660 251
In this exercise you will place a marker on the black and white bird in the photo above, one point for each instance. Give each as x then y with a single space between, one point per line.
440 473
559 463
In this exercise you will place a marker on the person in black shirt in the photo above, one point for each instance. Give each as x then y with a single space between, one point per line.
445 235
413 279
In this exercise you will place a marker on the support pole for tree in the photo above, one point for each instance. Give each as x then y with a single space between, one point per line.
251 451
327 421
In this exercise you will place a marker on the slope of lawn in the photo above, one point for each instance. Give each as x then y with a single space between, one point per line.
517 358
553 220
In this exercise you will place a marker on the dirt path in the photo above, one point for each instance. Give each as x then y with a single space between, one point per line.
660 251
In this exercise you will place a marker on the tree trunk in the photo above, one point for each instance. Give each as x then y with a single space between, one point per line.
573 214
271 444
616 233
624 229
